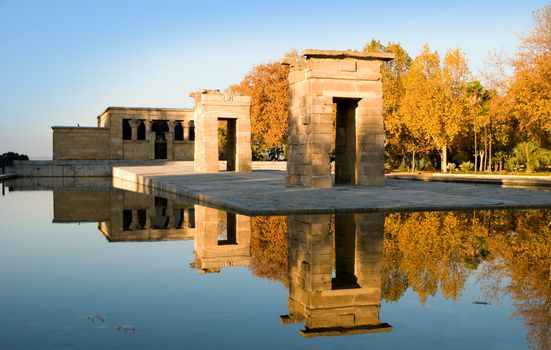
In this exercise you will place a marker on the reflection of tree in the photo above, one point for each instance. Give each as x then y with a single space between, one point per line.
426 251
520 253
269 248
431 251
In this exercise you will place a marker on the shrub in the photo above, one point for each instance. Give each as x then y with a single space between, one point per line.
466 166
530 156
451 167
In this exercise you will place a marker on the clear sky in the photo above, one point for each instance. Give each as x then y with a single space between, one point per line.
63 62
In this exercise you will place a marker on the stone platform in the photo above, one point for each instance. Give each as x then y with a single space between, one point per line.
265 193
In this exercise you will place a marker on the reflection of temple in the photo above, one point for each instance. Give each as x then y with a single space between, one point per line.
335 280
126 216
222 239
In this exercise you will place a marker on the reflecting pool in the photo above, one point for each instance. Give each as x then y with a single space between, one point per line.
95 267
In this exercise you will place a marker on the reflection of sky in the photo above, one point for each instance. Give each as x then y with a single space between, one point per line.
54 275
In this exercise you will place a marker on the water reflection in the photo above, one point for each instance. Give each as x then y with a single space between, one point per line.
335 273
222 239
339 269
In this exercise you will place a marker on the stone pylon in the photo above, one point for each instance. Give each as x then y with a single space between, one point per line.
210 107
336 104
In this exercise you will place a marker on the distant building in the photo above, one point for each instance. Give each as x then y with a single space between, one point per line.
165 133
129 134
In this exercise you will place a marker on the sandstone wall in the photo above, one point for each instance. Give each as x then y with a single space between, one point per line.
80 143
183 150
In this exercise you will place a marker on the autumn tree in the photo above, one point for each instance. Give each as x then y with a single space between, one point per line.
269 255
268 86
478 104
530 89
434 105
518 267
426 251
400 140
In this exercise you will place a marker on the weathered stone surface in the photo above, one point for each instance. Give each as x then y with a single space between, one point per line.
106 141
211 253
335 277
210 107
80 143
266 193
351 81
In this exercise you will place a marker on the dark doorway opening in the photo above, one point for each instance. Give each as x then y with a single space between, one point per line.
126 130
160 127
178 131
227 139
227 228
345 252
141 130
345 140
160 220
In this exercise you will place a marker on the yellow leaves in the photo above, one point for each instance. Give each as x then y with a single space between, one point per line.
268 87
530 88
269 248
434 107
431 251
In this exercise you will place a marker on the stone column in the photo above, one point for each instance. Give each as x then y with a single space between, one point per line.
148 224
370 136
135 224
170 140
150 137
185 219
186 129
243 145
134 124
170 213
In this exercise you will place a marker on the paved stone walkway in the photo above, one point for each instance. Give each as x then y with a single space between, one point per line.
265 193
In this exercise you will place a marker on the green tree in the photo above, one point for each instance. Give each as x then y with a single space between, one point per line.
7 159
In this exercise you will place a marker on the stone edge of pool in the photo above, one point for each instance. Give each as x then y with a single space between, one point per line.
174 181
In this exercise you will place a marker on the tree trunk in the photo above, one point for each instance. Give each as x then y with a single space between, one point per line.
475 152
413 162
490 148
485 148
481 167
444 158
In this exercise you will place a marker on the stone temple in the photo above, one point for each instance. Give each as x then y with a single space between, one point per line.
336 105
141 134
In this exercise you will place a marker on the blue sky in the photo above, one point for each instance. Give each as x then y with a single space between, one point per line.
63 62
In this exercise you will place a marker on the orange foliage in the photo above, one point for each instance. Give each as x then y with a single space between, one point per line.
425 251
269 248
268 87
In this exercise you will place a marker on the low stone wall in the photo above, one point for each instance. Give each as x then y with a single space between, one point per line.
77 168
101 168
86 143
282 166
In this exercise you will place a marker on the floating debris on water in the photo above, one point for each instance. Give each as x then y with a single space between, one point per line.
94 318
126 329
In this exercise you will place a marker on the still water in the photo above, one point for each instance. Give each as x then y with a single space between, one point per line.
103 268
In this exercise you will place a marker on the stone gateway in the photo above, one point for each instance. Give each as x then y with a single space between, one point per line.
349 82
